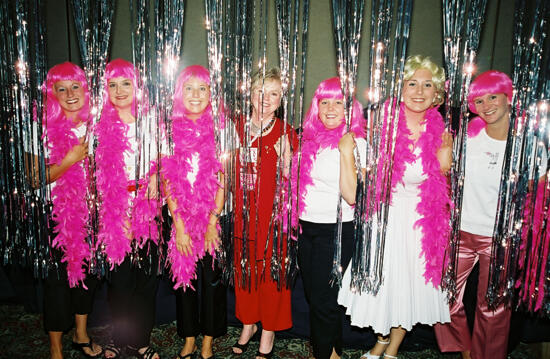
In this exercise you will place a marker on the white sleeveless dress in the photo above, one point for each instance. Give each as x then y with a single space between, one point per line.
404 298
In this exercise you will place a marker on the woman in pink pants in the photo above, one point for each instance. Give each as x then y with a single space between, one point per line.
490 97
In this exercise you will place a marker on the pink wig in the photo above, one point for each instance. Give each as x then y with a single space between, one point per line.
196 71
490 82
119 68
62 72
330 88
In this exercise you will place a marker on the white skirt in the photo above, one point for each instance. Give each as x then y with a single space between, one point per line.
404 298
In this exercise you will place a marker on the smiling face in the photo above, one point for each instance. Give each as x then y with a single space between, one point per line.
419 91
331 112
121 92
493 108
196 97
269 102
70 95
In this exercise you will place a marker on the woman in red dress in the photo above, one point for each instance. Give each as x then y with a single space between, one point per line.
258 297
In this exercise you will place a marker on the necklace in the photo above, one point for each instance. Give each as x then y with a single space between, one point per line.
256 130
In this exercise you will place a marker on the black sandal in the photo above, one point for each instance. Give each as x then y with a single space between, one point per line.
149 353
113 349
90 345
264 355
244 346
186 356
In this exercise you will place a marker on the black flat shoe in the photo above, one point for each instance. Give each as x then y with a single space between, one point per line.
90 345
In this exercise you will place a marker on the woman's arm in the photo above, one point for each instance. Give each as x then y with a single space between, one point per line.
445 152
212 237
348 174
76 154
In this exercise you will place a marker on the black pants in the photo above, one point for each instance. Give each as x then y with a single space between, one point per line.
61 302
209 317
315 257
132 299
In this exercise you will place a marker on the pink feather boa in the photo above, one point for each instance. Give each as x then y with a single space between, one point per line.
70 212
434 206
112 182
317 138
194 202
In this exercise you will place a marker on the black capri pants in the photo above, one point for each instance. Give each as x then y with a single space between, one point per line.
209 317
62 302
132 298
315 258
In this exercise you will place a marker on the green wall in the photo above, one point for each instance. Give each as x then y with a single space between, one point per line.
425 37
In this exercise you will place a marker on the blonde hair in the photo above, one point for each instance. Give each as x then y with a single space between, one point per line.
273 74
417 62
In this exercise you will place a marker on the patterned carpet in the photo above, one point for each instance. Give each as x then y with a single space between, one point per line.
22 336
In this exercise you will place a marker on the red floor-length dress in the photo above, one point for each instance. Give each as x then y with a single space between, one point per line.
259 300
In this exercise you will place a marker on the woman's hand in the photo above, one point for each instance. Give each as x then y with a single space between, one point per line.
445 152
76 154
211 238
183 242
346 145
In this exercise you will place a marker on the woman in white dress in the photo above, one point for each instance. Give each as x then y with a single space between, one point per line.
418 220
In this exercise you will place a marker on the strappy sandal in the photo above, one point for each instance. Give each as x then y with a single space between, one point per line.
90 345
149 353
389 356
113 349
189 355
243 347
368 355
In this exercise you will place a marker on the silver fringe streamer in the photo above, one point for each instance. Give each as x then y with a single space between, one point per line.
23 209
371 217
285 267
347 21
523 141
144 61
93 22
460 43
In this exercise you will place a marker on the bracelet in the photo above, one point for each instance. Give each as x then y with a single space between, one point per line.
215 214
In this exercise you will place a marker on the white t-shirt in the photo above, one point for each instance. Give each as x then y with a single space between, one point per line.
321 199
484 159
228 140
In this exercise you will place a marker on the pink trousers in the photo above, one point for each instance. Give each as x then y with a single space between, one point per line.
490 336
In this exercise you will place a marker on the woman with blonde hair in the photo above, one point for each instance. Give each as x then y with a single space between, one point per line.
261 299
418 221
